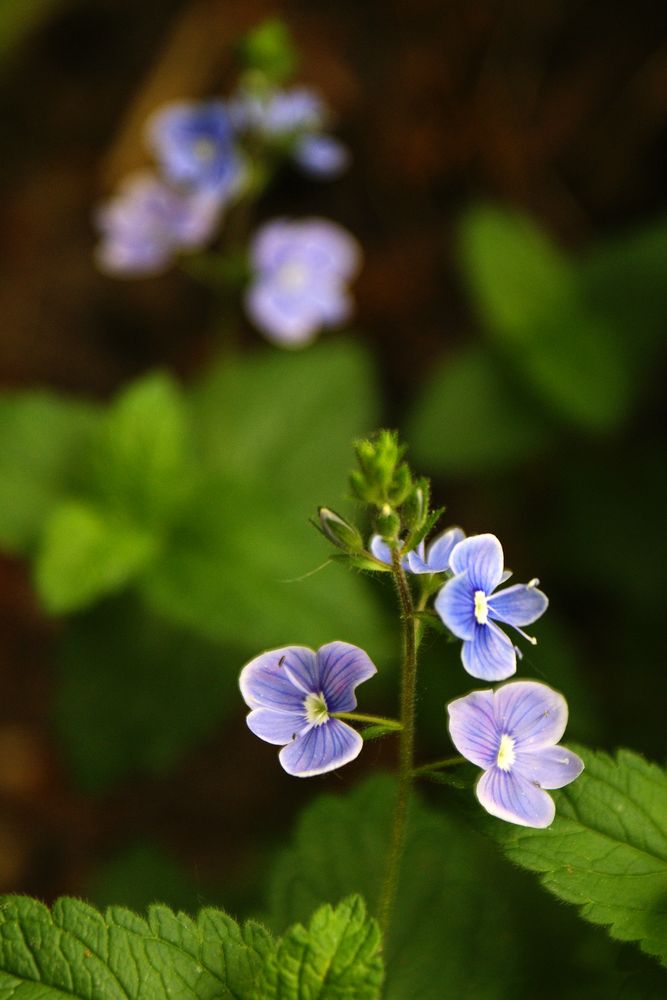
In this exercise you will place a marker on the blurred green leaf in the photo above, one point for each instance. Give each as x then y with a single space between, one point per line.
469 420
531 302
19 17
86 554
43 443
268 49
136 693
140 875
141 465
336 957
447 928
607 848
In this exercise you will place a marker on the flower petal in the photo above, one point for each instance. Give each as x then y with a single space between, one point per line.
482 557
265 683
321 749
489 655
532 713
472 727
276 727
512 797
455 603
552 767
380 549
341 667
440 550
518 605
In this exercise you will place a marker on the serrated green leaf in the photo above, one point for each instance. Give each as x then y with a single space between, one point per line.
41 446
153 692
75 952
337 957
531 302
141 465
469 419
606 852
87 553
448 927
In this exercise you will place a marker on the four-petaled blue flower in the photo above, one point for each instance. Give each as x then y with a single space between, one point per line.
279 113
147 223
432 559
321 155
294 694
301 269
469 607
193 142
512 733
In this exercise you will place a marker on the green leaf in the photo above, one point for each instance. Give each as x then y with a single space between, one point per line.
531 302
42 442
607 849
75 952
448 927
156 691
268 49
469 419
337 957
141 466
138 875
86 554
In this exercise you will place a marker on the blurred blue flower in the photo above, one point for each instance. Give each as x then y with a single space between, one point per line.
512 733
434 559
468 606
294 693
147 223
279 113
301 269
321 155
194 144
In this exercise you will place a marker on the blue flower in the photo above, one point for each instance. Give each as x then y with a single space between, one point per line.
512 733
278 114
321 156
469 607
301 269
294 693
147 223
434 559
194 145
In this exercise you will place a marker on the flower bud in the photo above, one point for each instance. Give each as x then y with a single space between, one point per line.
388 524
415 507
339 531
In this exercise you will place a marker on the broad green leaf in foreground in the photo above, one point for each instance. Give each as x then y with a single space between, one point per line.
43 443
337 957
73 952
607 849
449 927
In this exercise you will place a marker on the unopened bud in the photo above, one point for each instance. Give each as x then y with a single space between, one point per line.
339 531
388 524
415 508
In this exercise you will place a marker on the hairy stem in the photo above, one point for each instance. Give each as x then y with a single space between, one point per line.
439 765
406 742
378 720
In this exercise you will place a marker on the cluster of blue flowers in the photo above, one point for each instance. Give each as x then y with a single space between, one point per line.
295 694
210 155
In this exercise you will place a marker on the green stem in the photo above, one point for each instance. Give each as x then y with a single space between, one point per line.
378 720
438 765
406 742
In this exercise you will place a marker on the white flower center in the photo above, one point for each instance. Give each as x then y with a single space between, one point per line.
316 709
481 607
506 755
293 277
204 149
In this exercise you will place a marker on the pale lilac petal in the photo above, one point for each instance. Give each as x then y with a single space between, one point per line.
472 727
276 727
455 603
323 748
511 797
518 605
322 156
269 244
507 573
265 683
482 557
440 550
283 319
552 767
300 665
489 655
380 549
341 668
415 561
330 247
533 714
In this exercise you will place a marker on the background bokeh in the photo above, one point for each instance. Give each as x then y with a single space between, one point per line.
508 189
